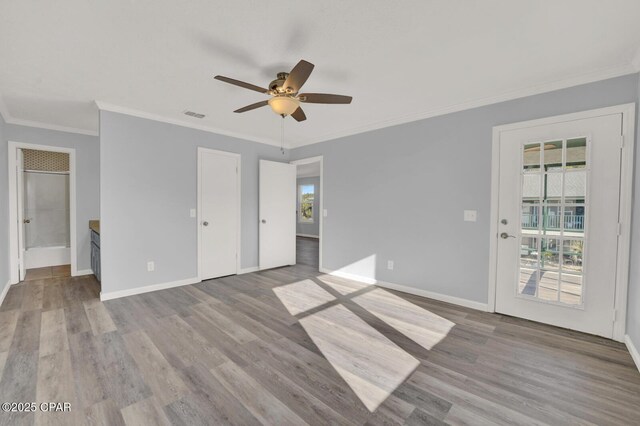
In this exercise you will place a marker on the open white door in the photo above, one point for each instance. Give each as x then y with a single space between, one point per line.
277 214
219 213
20 212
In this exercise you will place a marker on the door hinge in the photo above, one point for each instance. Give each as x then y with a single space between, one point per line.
615 315
621 141
619 229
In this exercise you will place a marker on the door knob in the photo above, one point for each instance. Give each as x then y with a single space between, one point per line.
264 221
205 223
504 236
26 221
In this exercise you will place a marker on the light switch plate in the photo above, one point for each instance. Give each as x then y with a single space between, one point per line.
324 213
192 212
470 215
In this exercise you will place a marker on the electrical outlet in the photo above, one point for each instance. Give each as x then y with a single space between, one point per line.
324 213
151 266
390 265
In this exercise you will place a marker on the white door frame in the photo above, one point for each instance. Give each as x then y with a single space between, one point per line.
321 212
627 143
238 158
13 205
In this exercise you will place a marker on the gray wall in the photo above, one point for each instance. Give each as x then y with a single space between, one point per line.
399 193
633 309
87 177
310 228
4 208
148 185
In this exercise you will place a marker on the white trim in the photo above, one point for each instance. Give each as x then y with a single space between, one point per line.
636 60
13 231
4 291
411 290
320 236
82 272
349 276
248 270
635 355
577 80
103 106
146 289
626 196
4 112
317 237
238 159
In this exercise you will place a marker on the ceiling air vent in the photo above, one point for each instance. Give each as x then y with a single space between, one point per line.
194 114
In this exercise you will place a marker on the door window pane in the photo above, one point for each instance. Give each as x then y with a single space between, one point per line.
553 213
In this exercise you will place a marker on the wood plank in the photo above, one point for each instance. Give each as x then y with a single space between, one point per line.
98 317
53 333
56 384
165 384
147 411
258 400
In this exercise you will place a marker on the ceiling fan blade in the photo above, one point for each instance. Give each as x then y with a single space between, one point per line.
299 115
241 84
298 75
253 106
324 98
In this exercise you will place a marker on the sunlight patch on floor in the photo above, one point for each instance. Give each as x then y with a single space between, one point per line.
372 365
301 296
423 327
341 285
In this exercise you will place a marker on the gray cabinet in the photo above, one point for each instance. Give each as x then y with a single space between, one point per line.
95 254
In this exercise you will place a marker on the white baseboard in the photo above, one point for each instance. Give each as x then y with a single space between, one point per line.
411 290
83 272
632 350
248 270
146 289
349 276
308 236
5 290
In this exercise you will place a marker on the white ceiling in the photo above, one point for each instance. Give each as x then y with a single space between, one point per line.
401 61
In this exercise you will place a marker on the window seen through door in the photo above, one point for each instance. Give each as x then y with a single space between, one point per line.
305 203
554 203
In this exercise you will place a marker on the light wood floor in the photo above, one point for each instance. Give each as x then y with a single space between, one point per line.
229 351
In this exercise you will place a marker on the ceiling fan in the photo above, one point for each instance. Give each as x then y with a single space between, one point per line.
285 99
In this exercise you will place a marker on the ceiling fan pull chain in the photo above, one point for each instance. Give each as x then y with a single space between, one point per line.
282 135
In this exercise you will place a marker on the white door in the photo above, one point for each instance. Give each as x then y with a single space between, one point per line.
219 205
20 189
277 214
558 231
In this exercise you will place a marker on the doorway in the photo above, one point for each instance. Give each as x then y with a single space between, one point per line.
561 224
218 213
42 207
309 211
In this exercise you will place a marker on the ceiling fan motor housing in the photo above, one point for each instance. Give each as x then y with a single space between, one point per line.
277 85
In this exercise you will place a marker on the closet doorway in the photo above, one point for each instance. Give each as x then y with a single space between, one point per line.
42 210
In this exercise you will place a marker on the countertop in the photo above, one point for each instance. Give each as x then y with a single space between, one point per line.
94 225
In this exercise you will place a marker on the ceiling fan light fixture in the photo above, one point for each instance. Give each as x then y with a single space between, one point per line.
284 105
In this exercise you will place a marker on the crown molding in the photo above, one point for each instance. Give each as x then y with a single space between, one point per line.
49 126
4 111
636 60
577 80
104 106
